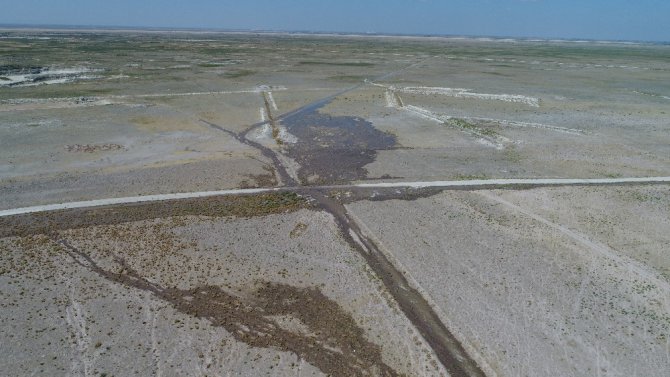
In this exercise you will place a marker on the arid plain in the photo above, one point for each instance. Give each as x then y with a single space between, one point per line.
196 203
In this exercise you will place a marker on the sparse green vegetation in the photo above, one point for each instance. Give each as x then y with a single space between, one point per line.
347 78
462 123
343 64
638 196
239 73
513 155
470 177
221 206
214 64
471 127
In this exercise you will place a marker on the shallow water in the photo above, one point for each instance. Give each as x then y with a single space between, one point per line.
332 149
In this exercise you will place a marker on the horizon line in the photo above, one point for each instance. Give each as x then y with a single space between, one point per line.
85 28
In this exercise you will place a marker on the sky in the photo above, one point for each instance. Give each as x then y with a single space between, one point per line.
641 20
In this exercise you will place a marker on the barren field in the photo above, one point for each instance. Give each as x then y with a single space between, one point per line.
284 204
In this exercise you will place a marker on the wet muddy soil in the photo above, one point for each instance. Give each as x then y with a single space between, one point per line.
329 337
416 308
333 149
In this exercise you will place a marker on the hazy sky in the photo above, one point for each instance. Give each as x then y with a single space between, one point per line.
595 19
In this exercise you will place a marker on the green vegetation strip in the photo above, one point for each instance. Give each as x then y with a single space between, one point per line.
239 73
345 64
215 206
468 126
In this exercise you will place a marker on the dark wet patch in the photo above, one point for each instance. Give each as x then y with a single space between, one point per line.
333 149
269 179
216 206
13 69
238 73
92 148
298 230
347 196
332 341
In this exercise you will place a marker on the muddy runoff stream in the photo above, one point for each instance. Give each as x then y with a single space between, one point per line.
416 308
334 343
335 149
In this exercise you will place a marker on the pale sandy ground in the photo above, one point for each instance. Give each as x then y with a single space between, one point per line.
558 140
150 101
35 141
542 282
59 318
160 149
194 176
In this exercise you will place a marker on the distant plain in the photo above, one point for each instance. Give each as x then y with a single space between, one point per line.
541 281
